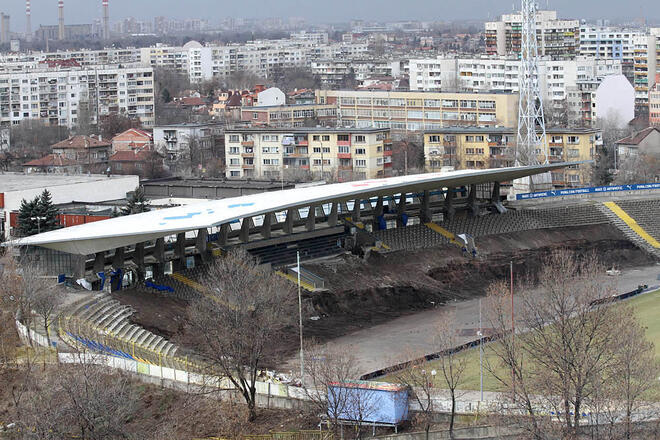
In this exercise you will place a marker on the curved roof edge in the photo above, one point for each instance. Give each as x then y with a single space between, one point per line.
123 231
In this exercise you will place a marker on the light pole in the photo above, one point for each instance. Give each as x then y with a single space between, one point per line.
38 220
481 356
302 357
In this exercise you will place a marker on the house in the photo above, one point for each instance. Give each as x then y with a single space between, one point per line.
53 164
270 97
303 96
91 152
145 163
132 139
645 141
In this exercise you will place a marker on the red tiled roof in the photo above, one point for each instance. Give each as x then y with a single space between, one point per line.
81 142
638 137
52 160
192 101
234 101
136 131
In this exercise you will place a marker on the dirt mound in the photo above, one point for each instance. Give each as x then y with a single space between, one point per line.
362 293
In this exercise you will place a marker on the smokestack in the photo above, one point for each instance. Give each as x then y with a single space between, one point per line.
106 20
60 5
28 21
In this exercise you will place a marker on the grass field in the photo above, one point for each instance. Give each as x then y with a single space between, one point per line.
647 307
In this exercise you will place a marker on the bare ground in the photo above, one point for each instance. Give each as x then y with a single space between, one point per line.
363 294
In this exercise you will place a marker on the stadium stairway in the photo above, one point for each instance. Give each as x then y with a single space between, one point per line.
101 324
638 221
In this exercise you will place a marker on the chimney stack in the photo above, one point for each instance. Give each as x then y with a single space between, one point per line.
106 20
60 5
28 21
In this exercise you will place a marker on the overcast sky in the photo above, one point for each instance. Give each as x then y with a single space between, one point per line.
79 11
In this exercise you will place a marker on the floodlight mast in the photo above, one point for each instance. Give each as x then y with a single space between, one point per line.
531 142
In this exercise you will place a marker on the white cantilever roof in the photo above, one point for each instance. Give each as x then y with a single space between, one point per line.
124 231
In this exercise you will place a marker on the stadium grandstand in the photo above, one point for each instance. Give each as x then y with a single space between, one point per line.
274 226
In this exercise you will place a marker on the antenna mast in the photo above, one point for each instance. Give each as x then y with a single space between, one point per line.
532 138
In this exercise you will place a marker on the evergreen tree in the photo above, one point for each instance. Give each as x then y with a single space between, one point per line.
137 203
28 211
48 211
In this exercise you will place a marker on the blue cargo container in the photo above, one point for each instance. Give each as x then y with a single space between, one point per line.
370 402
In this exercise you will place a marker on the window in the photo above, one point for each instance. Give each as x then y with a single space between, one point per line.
573 140
271 161
317 149
360 139
255 115
573 152
360 163
343 138
316 137
326 149
233 150
235 174
361 151
234 162
233 138
343 149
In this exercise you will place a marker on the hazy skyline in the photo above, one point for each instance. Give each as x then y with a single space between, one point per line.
85 11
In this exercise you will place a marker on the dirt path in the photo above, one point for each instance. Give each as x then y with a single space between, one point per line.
387 344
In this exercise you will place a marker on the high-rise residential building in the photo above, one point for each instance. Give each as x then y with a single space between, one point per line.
329 153
654 103
5 28
492 147
417 111
557 38
645 67
500 74
58 95
610 43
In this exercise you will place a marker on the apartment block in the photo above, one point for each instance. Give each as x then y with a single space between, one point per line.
557 38
56 95
330 153
493 147
302 115
601 42
654 103
500 74
418 111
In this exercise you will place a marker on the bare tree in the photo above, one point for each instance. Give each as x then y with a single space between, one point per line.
45 302
83 400
625 390
235 325
639 168
9 302
452 363
570 340
419 378
323 367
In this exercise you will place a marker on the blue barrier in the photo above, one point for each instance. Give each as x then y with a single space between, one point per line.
590 190
97 346
158 287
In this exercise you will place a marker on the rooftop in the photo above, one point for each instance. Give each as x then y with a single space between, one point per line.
81 142
508 130
286 107
218 183
306 130
10 182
